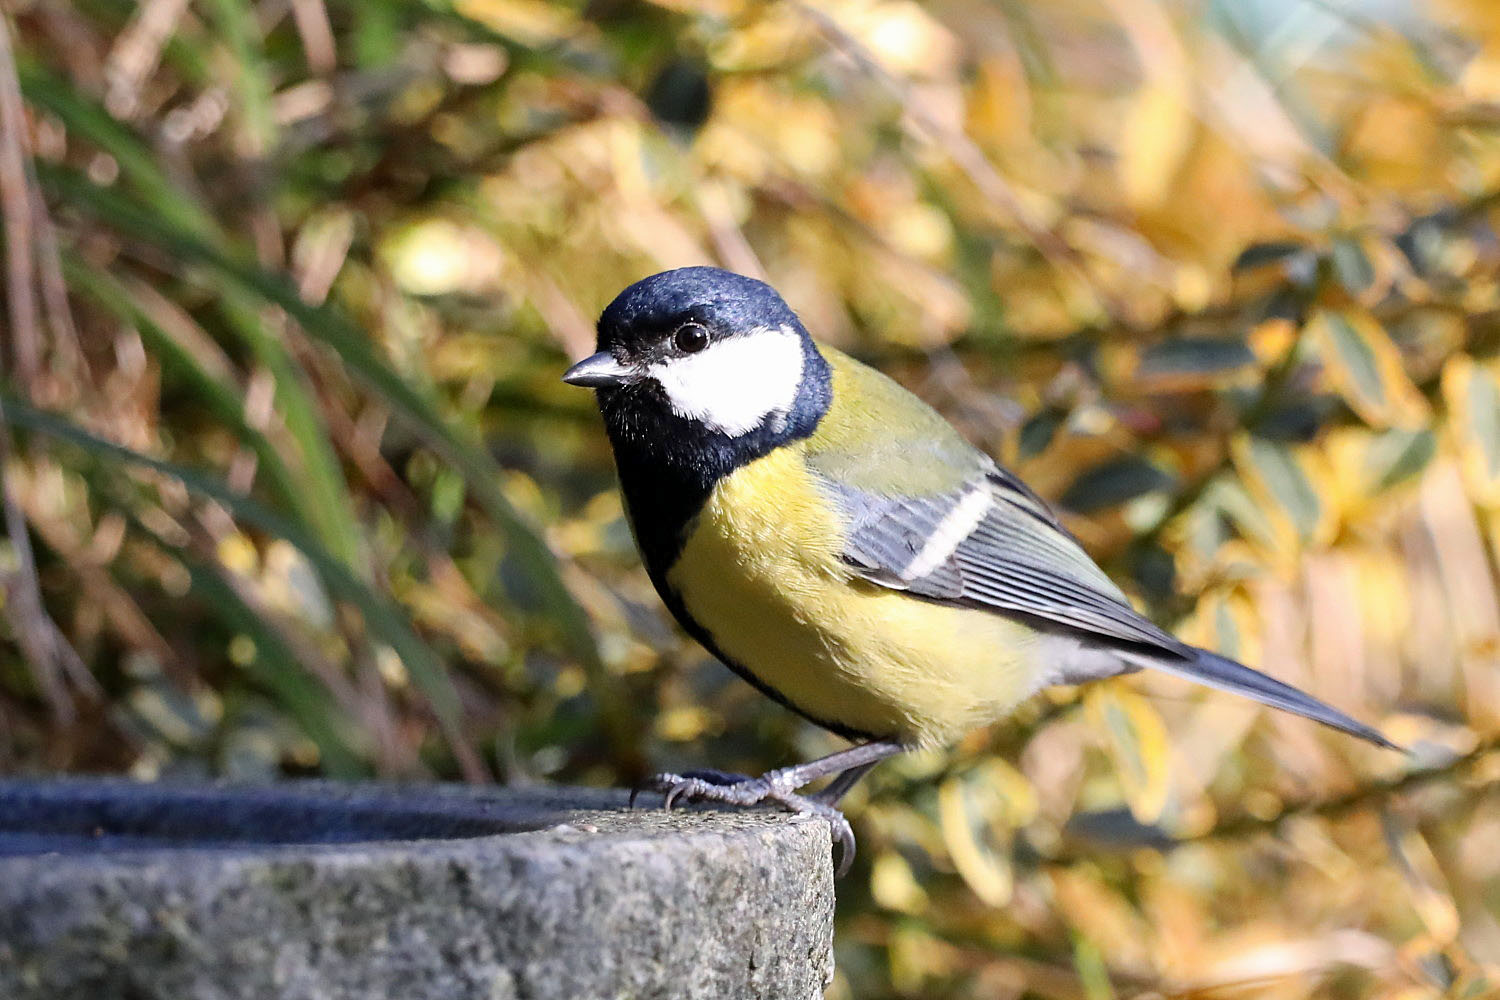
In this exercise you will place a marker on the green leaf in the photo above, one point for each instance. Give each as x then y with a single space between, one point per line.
1484 419
1136 739
1093 971
175 220
1188 356
329 504
1228 498
1351 265
377 35
1366 368
237 25
138 166
1037 432
1396 456
977 811
1471 390
1357 355
1274 466
1114 482
1260 254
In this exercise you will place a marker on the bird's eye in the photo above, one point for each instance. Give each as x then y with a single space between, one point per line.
690 338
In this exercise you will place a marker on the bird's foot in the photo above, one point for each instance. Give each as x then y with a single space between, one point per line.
738 790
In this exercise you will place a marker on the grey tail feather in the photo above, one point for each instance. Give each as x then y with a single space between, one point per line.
1216 671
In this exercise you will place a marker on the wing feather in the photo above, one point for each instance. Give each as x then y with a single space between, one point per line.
1016 558
1009 553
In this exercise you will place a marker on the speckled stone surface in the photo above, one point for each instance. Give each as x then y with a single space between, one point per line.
156 892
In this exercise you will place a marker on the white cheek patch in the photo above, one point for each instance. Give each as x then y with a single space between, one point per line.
733 385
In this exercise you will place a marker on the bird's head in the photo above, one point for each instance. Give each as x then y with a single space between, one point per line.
704 365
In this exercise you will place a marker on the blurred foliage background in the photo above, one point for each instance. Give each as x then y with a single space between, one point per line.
292 487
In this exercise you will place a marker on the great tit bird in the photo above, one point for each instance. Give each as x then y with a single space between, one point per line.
839 545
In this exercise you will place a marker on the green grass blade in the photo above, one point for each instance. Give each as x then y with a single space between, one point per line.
251 89
331 328
385 620
138 166
275 667
222 400
331 506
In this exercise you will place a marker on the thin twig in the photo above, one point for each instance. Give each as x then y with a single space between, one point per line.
33 628
136 52
66 346
46 649
311 18
15 201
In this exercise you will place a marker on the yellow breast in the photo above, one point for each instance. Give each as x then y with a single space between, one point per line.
760 571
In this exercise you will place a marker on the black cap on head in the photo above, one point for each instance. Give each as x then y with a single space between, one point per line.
726 302
682 413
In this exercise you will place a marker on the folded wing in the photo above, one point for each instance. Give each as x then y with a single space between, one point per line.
991 543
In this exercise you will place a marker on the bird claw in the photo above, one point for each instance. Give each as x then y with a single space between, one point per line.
842 833
737 790
710 786
714 777
667 783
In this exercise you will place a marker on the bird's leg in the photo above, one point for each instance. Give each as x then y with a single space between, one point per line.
715 777
773 786
839 786
780 786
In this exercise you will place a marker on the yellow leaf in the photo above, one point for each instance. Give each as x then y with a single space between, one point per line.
1137 742
1289 487
1472 394
905 39
1097 910
1481 78
894 887
977 810
1430 896
1158 134
1000 101
239 554
1365 368
531 22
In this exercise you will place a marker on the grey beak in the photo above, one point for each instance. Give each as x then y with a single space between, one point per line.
598 371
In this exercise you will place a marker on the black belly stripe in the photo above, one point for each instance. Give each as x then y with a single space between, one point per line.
668 468
691 626
661 513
